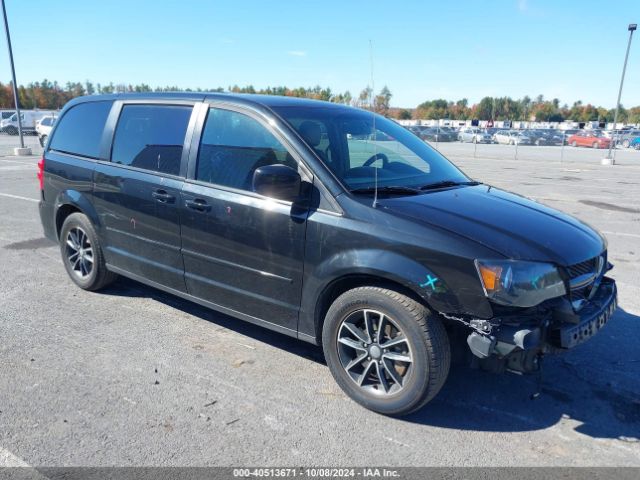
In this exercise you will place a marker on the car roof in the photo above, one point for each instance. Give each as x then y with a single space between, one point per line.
246 98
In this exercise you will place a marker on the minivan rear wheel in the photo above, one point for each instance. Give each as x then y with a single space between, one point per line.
82 253
387 351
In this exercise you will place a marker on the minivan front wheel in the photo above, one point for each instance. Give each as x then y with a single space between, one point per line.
82 253
387 351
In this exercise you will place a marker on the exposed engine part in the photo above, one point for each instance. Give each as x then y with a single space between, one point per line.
480 325
481 346
507 338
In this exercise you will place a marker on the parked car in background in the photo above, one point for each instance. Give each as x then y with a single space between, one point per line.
589 138
567 133
538 137
511 137
616 135
28 120
545 137
627 137
491 131
474 135
635 143
43 128
421 131
4 114
435 134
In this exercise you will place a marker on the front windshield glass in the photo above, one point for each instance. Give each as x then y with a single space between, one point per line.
346 140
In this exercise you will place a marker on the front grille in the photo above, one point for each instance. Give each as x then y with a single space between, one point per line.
582 268
584 277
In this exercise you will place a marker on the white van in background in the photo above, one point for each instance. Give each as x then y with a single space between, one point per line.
29 119
4 114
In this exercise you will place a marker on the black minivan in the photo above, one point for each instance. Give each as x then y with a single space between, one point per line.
325 222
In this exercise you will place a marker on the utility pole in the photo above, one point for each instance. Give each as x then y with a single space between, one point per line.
611 157
22 150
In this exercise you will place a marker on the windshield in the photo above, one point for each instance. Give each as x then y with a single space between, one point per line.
346 140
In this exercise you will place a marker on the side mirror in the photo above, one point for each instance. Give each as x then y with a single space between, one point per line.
277 181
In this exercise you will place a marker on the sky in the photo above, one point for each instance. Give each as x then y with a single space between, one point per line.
422 50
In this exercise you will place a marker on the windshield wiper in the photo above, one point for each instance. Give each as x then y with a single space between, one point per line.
397 189
447 183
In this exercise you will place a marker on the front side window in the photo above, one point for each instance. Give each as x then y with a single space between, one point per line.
363 147
80 129
151 137
233 146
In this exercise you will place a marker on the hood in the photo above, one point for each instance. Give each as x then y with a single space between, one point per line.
509 224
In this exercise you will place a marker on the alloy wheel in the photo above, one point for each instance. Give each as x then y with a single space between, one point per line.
79 252
374 352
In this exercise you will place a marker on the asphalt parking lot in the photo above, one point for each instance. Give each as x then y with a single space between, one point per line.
133 376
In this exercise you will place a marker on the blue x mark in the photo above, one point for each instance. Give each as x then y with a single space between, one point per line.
431 282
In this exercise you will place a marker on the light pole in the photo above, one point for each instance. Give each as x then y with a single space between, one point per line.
21 150
611 157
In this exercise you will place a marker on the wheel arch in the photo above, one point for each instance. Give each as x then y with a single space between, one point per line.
354 280
72 201
369 267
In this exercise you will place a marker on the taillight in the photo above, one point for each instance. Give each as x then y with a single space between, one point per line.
41 173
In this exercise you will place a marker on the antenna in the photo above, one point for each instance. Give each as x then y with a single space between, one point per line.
373 138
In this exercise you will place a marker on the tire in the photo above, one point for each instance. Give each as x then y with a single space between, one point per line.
12 131
43 140
596 145
407 385
574 144
87 269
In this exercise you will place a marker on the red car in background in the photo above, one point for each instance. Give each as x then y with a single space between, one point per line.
589 139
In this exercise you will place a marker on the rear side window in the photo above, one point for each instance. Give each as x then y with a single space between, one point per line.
80 130
233 146
151 137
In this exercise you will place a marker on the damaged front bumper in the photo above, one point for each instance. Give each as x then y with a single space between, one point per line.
518 347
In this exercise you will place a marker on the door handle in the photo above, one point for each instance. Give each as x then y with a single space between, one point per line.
162 196
198 204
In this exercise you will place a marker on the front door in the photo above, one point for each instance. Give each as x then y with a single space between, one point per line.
137 194
242 251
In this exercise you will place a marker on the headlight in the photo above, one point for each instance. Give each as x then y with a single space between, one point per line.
518 283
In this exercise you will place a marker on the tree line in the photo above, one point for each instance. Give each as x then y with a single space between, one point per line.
52 95
538 109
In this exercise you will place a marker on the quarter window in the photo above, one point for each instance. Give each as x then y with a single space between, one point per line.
151 137
80 130
233 146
